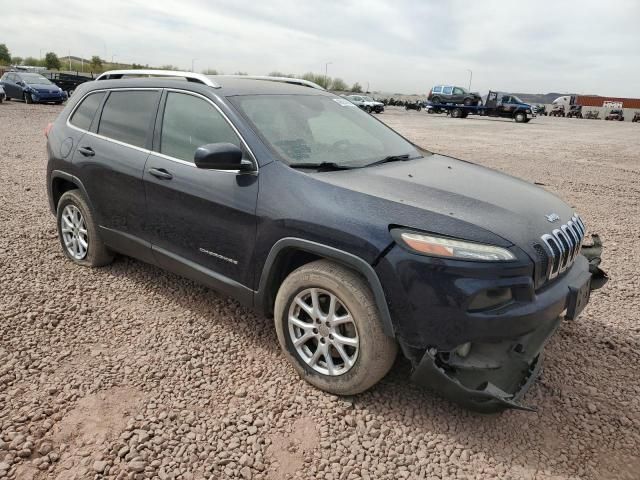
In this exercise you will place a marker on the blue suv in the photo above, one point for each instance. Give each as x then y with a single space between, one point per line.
32 88
297 203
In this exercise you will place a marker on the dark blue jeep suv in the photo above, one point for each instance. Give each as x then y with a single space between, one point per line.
303 206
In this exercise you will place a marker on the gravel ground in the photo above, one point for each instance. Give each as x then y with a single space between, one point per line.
131 372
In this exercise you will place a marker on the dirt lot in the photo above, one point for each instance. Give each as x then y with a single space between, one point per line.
136 373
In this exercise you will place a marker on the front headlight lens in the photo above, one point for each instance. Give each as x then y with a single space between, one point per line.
448 247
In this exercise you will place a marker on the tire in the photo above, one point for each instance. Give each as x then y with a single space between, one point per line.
468 102
436 100
96 253
28 99
375 353
520 117
456 113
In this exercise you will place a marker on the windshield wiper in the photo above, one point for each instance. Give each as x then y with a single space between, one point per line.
393 158
321 166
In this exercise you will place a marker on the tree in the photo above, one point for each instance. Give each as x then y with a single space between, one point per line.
16 60
96 62
339 85
280 74
51 61
31 61
241 73
357 88
5 56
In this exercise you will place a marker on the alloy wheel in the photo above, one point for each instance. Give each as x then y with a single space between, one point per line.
323 332
74 232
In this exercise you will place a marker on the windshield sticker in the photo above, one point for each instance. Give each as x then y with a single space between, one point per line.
343 102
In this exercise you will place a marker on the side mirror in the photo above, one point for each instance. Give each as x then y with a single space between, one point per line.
221 156
20 82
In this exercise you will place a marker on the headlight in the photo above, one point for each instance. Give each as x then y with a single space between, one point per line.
435 246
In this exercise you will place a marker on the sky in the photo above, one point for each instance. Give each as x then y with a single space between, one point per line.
405 46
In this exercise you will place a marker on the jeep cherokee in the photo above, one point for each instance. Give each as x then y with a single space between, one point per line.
301 205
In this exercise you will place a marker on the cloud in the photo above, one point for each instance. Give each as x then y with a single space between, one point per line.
396 46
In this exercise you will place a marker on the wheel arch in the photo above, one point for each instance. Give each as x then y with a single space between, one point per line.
289 253
62 182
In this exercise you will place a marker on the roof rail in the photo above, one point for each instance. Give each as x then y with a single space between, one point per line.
293 81
189 76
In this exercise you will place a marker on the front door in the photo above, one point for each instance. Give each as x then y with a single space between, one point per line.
202 223
110 161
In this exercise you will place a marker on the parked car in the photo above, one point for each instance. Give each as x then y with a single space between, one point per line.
636 117
366 103
557 111
616 114
357 241
413 106
592 115
453 94
3 96
575 111
32 88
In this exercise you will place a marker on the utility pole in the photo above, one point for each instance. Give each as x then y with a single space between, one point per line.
326 76
112 57
470 78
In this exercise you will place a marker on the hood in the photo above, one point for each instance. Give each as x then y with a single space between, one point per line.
503 205
41 87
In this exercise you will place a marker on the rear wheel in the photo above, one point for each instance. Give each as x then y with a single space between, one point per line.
436 100
78 232
456 113
468 102
330 329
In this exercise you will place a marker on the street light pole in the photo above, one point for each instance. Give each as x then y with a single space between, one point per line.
112 57
470 78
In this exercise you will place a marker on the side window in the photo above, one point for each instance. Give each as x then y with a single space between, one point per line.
83 116
447 90
457 91
127 115
190 122
437 89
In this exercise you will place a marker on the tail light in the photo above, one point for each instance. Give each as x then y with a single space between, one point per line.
47 129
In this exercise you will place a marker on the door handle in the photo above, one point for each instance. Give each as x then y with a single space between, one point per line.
160 173
87 151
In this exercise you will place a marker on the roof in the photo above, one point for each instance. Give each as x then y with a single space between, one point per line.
598 101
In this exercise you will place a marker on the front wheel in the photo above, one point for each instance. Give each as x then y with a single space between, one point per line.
330 330
520 117
28 98
78 232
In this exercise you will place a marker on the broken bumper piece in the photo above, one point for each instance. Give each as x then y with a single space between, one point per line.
491 377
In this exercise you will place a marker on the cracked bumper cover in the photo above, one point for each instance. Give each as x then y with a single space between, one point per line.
494 376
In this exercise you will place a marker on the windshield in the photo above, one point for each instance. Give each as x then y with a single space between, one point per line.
368 99
316 129
515 99
34 79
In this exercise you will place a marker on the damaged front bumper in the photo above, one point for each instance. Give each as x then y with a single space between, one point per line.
489 375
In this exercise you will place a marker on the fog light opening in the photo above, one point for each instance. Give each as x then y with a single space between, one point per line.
491 298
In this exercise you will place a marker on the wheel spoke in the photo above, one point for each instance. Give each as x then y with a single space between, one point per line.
345 358
303 339
300 324
67 221
301 303
332 308
315 357
66 230
341 320
83 243
351 342
328 359
315 302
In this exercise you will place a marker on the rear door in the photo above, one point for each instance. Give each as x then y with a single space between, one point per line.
110 161
202 222
10 87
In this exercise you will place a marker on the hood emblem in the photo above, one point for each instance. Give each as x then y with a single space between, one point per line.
552 217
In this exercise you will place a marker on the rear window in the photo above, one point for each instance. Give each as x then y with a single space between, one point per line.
127 116
437 89
83 116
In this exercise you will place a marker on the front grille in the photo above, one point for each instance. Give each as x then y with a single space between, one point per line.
562 246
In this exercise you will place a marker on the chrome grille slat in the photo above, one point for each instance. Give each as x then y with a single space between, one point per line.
562 245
